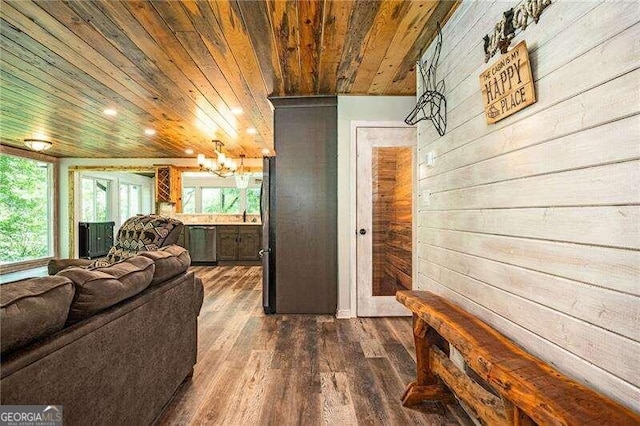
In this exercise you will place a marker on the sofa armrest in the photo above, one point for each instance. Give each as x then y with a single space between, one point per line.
56 265
199 294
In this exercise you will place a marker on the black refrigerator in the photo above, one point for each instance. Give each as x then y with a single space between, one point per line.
299 208
267 252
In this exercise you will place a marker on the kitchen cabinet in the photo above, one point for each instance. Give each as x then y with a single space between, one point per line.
238 242
169 185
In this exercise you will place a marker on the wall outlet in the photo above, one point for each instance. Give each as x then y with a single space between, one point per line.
426 198
430 159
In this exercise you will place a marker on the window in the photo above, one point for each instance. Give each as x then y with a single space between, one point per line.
26 210
95 199
189 200
124 203
220 200
130 201
253 200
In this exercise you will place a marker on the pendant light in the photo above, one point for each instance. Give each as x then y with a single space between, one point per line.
242 177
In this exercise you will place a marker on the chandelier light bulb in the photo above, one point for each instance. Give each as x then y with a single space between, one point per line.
222 159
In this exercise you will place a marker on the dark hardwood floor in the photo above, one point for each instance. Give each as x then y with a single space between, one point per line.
255 369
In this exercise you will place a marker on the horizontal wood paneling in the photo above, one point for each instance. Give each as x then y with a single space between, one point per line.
565 224
533 223
611 268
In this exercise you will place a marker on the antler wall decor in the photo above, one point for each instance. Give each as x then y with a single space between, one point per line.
432 104
514 19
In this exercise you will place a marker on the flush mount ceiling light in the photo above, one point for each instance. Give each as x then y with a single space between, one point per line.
242 176
236 111
149 132
38 145
110 112
219 166
252 131
188 151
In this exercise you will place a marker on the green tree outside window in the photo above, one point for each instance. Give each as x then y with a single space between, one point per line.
24 209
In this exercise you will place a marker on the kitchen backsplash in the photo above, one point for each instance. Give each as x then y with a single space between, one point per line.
202 218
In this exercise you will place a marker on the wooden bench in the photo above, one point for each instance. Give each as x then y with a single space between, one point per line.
511 386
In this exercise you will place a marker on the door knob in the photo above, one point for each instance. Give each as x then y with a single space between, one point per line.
362 231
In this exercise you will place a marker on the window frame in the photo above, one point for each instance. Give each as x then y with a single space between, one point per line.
130 197
74 188
53 212
95 180
197 199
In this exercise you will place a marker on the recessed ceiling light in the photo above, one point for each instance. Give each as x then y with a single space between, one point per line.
252 131
236 111
265 151
110 111
188 151
149 132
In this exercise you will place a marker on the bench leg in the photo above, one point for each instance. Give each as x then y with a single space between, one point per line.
427 387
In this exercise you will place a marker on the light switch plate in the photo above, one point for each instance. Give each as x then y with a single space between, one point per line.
426 197
430 159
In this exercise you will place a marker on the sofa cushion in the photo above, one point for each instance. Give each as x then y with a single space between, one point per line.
33 308
170 261
143 233
100 288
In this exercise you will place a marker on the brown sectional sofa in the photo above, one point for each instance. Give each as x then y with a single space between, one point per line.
111 344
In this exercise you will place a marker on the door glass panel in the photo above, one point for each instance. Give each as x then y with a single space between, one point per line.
102 200
392 200
88 201
134 197
124 202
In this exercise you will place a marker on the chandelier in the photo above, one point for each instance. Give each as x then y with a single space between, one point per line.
219 166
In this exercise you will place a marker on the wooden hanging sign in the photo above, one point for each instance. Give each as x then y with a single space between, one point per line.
507 85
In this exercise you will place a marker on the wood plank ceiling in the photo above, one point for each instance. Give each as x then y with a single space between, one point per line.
183 68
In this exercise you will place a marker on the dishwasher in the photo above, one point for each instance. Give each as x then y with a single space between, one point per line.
202 243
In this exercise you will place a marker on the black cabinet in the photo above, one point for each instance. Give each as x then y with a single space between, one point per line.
238 242
95 239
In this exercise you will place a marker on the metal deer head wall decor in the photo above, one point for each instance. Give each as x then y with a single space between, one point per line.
432 104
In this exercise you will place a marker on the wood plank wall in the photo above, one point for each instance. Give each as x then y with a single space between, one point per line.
392 222
534 222
398 249
383 171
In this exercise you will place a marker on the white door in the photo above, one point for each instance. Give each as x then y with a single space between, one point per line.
385 231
